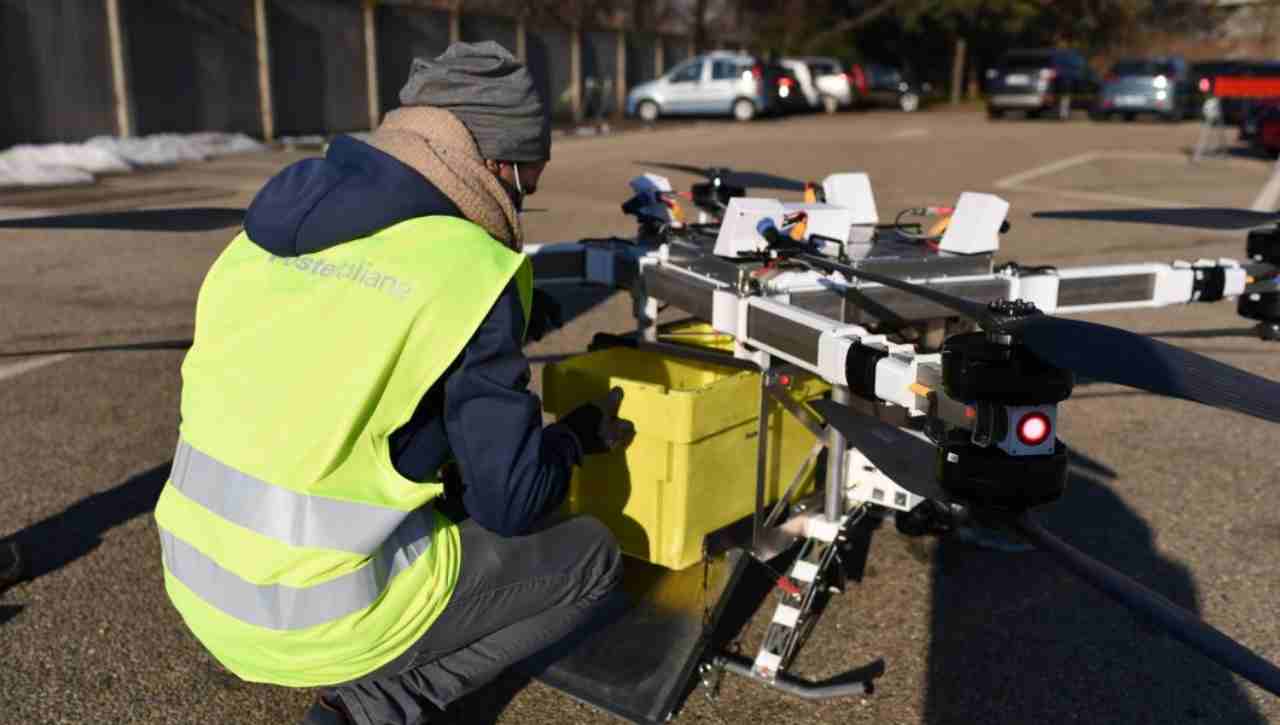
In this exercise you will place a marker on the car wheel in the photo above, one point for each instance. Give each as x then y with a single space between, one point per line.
1130 116
647 111
744 110
830 104
1063 110
908 102
995 114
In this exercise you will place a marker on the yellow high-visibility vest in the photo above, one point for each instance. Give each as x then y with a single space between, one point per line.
293 550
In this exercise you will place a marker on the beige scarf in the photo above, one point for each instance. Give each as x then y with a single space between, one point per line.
437 145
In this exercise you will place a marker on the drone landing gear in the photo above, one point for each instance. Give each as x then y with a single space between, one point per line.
823 533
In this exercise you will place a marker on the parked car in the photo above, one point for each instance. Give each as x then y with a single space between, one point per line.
888 86
1162 86
1201 79
1261 127
717 83
1235 111
805 81
782 89
1053 81
835 87
1248 110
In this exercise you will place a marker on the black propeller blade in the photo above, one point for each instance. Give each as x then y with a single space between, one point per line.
747 179
1109 354
1178 622
194 219
154 345
908 460
1112 355
1192 217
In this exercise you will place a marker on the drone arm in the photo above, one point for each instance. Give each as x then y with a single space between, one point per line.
1132 286
578 263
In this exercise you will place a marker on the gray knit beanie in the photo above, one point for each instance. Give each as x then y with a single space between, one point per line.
493 95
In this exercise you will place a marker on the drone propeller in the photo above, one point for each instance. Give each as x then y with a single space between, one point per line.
1107 354
1194 217
746 179
193 219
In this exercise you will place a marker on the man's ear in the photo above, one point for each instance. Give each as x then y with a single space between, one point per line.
492 166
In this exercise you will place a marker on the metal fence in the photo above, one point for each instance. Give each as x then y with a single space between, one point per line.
78 68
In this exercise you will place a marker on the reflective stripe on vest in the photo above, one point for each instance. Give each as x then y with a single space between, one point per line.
274 511
296 519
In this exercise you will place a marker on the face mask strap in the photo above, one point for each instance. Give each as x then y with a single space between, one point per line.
515 168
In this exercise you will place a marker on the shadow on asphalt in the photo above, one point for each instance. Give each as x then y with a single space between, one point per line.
9 611
200 219
1017 639
1205 334
63 538
1211 218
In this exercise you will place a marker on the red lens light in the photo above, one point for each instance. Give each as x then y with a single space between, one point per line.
1204 85
1034 429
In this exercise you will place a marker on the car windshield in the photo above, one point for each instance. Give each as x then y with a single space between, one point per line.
822 69
1127 68
883 75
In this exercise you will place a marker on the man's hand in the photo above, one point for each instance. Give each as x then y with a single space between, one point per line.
598 427
544 315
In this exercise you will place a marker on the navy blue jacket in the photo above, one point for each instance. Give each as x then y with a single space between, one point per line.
480 412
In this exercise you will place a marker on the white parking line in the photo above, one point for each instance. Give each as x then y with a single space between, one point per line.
26 366
1009 182
1270 194
1106 198
910 133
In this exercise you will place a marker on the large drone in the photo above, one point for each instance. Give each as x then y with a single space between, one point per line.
946 372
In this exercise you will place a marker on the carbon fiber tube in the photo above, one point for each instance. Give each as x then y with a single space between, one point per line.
1178 622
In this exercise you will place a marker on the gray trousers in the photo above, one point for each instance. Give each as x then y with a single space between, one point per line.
514 599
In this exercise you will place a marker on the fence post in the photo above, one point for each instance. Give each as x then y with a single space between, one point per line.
658 55
522 50
620 75
575 72
119 73
455 22
265 110
371 61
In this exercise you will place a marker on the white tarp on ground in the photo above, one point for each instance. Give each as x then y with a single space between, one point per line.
60 164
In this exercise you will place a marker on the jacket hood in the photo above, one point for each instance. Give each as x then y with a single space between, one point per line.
354 191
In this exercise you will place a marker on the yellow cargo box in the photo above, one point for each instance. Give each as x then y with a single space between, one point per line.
692 467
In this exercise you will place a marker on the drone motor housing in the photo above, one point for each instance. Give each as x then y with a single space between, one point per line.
976 369
1263 246
713 196
992 479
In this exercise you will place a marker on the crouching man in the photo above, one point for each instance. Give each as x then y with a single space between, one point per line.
361 337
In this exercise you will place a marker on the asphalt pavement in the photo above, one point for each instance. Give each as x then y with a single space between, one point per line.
1175 494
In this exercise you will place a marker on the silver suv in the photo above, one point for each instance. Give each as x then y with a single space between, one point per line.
717 83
